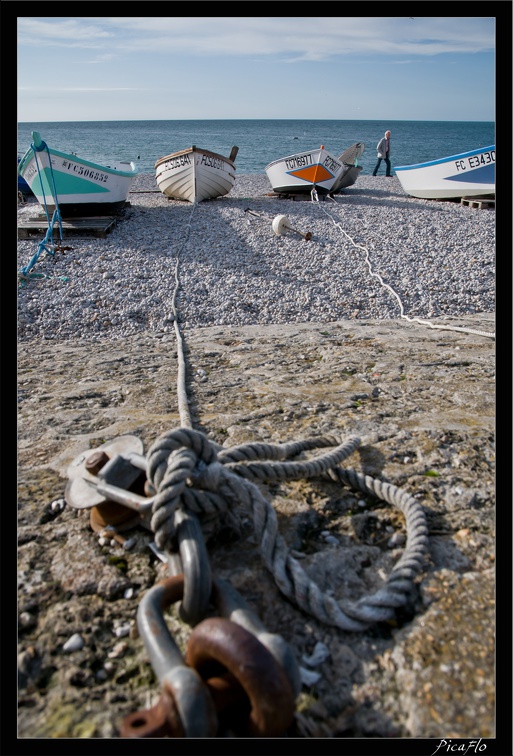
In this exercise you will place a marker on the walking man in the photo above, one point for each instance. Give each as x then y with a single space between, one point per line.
383 148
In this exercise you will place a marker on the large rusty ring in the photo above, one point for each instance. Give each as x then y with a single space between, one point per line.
220 641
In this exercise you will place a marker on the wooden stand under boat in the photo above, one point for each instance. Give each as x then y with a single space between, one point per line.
72 228
296 197
479 202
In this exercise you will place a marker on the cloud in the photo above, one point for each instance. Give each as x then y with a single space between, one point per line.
281 37
62 32
52 88
103 58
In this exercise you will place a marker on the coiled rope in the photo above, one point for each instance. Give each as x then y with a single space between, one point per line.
315 199
188 471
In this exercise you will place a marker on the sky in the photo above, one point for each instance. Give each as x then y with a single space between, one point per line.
167 68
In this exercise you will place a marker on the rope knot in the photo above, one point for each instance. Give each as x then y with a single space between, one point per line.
190 473
162 455
178 460
206 476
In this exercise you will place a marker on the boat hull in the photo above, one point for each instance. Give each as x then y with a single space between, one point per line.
469 174
348 178
195 174
77 186
350 158
304 171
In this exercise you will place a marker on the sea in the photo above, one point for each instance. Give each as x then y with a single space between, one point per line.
259 141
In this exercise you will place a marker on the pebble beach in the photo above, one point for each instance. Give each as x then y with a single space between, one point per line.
375 253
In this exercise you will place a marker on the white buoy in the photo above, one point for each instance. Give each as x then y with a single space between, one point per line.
281 224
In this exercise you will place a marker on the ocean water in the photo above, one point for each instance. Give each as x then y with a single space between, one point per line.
259 141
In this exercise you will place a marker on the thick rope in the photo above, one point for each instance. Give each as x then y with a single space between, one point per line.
315 199
187 470
183 404
47 244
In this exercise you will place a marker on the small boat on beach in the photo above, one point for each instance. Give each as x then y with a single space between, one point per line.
195 174
78 187
469 174
315 169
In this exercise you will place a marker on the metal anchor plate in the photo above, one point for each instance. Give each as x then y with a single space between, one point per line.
80 490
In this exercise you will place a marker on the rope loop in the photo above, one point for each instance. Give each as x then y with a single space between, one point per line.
190 472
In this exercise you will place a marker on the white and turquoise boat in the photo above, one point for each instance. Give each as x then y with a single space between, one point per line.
469 174
75 186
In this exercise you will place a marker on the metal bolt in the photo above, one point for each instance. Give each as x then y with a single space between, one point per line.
306 236
96 461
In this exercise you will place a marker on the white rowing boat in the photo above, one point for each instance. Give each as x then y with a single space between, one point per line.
469 174
77 186
195 174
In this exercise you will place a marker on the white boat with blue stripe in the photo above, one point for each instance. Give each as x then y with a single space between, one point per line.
469 174
77 187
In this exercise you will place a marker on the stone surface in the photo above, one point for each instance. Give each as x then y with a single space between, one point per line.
423 402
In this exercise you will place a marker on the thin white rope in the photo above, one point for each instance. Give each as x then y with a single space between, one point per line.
315 199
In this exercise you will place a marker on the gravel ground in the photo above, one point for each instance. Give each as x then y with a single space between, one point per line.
374 253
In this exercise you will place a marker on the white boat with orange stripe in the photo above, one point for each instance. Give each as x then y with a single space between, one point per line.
315 169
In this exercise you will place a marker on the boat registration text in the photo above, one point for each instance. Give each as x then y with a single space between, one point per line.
475 161
212 162
298 161
82 170
177 162
302 161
